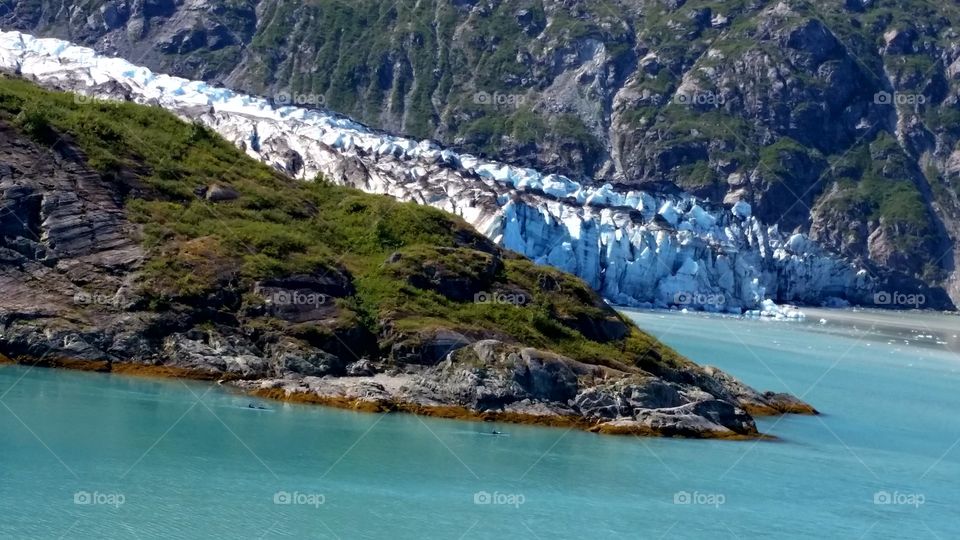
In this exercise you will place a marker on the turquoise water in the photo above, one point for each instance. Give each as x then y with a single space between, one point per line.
100 456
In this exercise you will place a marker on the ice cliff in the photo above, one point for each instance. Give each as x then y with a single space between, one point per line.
636 248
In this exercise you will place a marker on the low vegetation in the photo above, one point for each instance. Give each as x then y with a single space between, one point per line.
411 269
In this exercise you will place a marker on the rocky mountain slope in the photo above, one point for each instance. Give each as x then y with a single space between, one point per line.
838 119
136 243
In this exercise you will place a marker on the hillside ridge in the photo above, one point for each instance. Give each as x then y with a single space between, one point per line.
134 242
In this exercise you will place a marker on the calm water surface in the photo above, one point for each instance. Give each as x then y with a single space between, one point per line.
101 456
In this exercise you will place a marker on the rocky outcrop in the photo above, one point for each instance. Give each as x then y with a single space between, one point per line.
764 404
493 380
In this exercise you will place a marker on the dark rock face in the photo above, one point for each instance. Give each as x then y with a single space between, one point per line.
626 398
360 368
304 298
293 358
491 375
695 417
220 193
607 329
213 353
52 220
546 377
62 228
460 279
813 44
158 8
427 348
184 41
755 403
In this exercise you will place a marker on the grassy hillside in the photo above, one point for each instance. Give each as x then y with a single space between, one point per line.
403 270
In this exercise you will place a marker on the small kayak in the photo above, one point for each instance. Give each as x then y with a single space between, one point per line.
257 407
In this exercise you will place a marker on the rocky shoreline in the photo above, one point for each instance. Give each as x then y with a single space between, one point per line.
525 386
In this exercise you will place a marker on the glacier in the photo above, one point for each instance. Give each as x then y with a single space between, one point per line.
636 248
